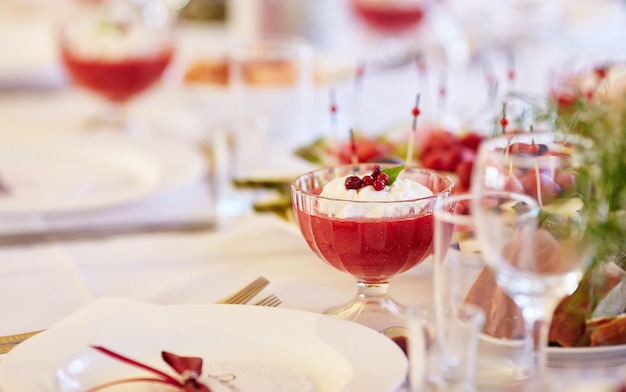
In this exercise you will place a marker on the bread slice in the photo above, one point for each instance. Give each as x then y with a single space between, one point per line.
607 331
570 325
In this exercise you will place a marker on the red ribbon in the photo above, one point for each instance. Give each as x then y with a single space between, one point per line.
189 368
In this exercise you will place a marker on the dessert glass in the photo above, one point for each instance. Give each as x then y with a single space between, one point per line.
117 50
372 241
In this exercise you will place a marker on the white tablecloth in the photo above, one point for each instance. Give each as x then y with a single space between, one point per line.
42 284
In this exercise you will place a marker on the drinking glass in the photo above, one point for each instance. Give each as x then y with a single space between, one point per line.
443 345
390 16
536 243
117 49
392 25
272 86
372 241
461 276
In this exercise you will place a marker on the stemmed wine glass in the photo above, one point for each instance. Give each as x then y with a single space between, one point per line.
372 241
117 49
537 254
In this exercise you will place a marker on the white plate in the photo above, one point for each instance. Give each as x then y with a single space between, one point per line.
604 356
566 357
86 173
333 354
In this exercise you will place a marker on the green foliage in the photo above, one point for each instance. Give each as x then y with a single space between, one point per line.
604 123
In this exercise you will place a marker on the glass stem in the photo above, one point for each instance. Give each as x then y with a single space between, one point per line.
376 291
537 336
537 319
115 115
531 322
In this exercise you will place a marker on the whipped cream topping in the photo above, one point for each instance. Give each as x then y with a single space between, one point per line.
119 35
400 190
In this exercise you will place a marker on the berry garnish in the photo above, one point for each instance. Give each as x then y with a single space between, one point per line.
353 182
367 180
384 177
379 185
379 178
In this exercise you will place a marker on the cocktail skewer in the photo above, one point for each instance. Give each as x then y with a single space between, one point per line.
510 71
415 112
354 154
503 120
422 72
334 142
442 95
356 94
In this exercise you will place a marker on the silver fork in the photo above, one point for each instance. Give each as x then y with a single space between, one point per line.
245 294
271 300
241 296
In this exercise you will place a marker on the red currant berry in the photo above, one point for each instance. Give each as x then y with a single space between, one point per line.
379 185
384 177
376 171
353 182
367 180
504 122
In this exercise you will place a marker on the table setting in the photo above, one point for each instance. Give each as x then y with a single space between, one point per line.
419 203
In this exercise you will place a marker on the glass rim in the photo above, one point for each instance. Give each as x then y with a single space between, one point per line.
557 136
441 214
534 210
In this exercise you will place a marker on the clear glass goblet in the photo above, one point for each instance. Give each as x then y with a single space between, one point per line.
116 49
372 241
537 254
